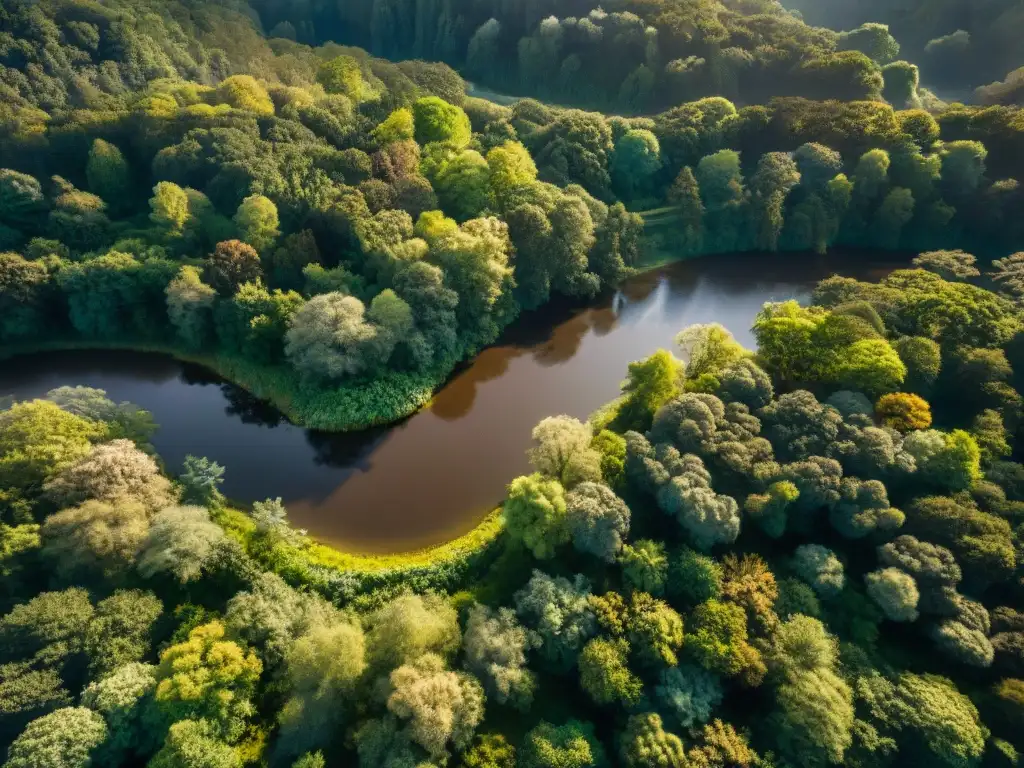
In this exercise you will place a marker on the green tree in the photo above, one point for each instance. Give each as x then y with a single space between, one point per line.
38 440
169 208
195 744
571 745
65 738
208 677
649 385
635 161
535 514
646 744
437 120
685 195
108 174
257 222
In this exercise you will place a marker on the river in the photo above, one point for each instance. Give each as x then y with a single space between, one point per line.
435 475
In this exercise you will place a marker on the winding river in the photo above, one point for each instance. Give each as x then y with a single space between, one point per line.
435 475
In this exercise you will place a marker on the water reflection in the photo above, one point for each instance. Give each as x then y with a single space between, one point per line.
433 475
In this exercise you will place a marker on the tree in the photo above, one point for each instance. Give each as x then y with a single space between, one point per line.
120 630
123 698
195 744
22 202
649 385
708 518
95 539
943 723
817 165
991 435
690 693
323 667
271 616
862 508
718 641
65 738
654 629
511 168
182 542
559 611
771 183
637 157
441 706
124 420
231 264
257 222
48 629
169 208
409 627
708 349
342 75
820 568
200 481
463 185
871 39
329 338
745 382
208 677
398 126
23 287
495 646
646 744
284 264
475 260
870 366
436 120
571 745
922 359
817 717
108 173
904 412
535 514
645 566
949 265
190 304
245 92
114 471
694 578
598 520
562 450
490 751
963 167
964 644
895 592
685 195
950 460
38 439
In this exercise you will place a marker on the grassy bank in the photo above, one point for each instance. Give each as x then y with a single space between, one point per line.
338 409
352 578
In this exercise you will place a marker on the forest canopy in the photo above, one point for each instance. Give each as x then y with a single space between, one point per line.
808 553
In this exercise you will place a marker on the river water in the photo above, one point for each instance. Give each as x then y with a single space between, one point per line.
435 475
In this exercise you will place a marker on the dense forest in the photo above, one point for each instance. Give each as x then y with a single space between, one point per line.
959 46
337 231
806 554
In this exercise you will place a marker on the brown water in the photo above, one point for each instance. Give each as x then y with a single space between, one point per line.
435 475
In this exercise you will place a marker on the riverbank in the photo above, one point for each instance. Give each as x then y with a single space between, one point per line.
353 577
391 398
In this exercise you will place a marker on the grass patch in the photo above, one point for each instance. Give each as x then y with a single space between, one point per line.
482 536
362 580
